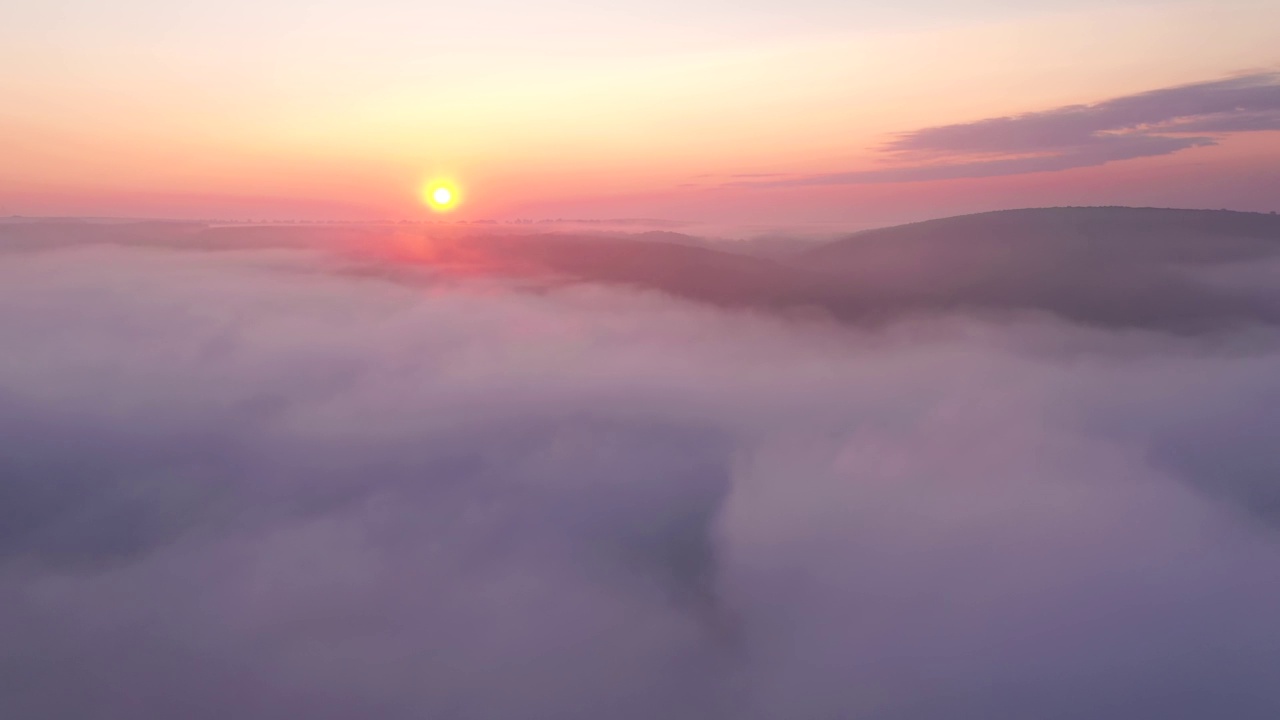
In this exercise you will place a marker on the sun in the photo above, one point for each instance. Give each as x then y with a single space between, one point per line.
442 197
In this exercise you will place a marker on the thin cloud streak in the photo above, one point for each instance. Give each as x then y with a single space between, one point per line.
1147 124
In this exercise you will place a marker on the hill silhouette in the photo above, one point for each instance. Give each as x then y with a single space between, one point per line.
1183 271
1111 266
1169 270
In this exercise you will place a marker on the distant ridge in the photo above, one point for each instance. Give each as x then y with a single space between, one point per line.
1106 265
1076 221
1183 271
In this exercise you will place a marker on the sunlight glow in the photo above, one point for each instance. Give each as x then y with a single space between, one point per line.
441 196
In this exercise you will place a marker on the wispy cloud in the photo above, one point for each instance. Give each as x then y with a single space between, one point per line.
1158 122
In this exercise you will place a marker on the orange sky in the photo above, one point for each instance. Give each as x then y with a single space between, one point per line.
343 110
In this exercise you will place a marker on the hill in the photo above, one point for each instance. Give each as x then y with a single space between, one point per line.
1168 270
1113 266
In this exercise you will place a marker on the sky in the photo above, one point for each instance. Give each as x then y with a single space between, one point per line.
764 112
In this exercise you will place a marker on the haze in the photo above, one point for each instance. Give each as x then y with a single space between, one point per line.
693 360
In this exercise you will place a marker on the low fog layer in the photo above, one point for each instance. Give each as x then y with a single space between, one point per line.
347 475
